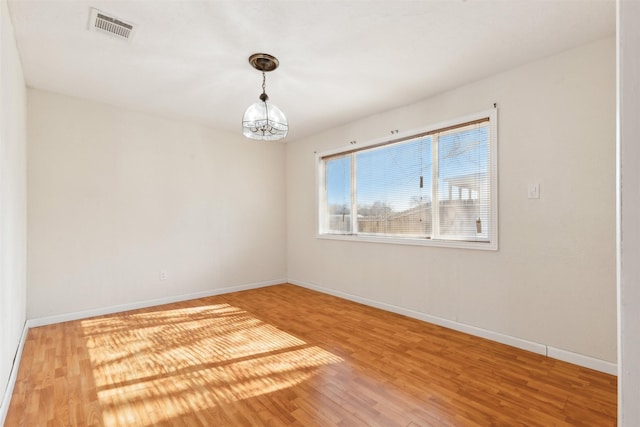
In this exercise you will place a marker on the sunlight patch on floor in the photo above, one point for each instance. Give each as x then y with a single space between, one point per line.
161 364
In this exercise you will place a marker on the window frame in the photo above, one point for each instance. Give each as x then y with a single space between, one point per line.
320 189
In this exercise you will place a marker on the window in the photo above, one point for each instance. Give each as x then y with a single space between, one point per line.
436 186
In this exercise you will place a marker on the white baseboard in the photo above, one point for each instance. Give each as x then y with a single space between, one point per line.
582 360
565 356
101 311
6 399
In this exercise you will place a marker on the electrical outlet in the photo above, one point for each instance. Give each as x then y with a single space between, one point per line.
163 275
533 191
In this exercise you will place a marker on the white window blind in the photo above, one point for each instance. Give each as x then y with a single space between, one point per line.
338 195
434 185
464 190
394 189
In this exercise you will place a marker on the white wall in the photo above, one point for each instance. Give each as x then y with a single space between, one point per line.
553 279
629 211
117 196
13 199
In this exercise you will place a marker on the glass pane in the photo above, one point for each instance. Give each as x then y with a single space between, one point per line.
464 183
394 189
338 188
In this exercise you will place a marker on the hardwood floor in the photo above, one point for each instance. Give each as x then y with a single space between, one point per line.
287 356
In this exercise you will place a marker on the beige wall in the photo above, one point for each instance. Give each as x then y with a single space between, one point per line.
13 202
553 279
116 197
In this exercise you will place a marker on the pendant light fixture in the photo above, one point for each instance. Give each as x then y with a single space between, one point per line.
264 120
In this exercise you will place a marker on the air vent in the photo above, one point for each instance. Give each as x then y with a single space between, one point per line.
104 23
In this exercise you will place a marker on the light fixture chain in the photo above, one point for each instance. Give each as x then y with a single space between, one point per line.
264 83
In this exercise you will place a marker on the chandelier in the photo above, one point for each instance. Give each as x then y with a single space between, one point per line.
263 120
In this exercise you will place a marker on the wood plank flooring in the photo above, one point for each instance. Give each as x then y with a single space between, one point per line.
287 356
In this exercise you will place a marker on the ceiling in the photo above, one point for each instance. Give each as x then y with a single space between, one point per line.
339 60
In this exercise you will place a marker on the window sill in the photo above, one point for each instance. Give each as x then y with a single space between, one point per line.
454 244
